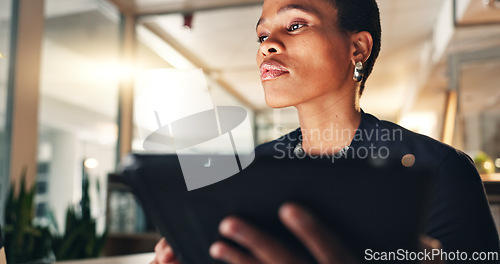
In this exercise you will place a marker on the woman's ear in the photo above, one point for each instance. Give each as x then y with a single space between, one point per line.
362 43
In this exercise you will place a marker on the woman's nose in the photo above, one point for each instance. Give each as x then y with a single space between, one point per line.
271 46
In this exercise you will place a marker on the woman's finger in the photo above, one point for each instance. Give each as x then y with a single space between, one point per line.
164 253
320 242
229 254
429 244
264 248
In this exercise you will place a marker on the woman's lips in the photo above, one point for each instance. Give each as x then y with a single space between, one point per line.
271 70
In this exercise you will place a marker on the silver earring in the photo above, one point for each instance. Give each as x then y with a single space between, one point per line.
358 71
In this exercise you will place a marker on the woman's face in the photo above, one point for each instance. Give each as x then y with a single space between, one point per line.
303 55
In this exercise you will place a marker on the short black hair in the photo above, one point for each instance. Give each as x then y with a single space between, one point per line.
361 15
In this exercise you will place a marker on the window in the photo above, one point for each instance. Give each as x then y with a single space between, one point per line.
5 17
80 74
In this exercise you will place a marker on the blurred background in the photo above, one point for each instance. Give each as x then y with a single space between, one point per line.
68 73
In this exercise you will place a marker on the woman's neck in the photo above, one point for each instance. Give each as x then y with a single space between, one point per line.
329 123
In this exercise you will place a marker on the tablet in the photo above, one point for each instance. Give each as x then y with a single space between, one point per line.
368 205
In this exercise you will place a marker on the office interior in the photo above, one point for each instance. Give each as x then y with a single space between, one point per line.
70 72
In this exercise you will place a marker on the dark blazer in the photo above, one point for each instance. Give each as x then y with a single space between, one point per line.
459 215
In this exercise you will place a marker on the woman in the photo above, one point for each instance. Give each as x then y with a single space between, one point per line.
316 55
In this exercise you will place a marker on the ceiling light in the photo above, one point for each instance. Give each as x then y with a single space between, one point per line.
91 163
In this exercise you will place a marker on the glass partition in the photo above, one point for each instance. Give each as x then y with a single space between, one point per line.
478 128
5 25
479 113
78 106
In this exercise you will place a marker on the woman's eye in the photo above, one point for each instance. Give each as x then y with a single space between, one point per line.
295 26
262 39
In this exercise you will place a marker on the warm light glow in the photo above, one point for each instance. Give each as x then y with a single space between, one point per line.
420 122
91 163
497 163
165 96
487 165
450 117
172 94
164 50
1 56
113 70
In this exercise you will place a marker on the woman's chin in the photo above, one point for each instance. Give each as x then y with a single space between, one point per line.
279 95
278 102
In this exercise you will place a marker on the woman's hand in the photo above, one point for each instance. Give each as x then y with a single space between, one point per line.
265 249
164 253
428 244
324 247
